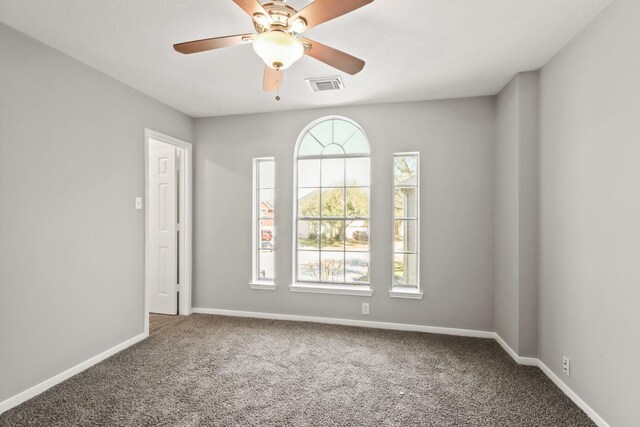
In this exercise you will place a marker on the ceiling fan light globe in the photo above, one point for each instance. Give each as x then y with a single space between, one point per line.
262 20
299 25
278 49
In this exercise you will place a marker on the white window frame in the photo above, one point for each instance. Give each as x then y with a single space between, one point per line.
325 288
256 282
408 292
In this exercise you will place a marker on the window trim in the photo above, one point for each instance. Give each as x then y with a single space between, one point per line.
324 287
257 283
328 288
406 292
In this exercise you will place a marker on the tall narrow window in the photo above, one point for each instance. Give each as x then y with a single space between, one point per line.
406 226
332 209
263 223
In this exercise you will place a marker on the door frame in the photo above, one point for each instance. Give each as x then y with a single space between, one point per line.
185 261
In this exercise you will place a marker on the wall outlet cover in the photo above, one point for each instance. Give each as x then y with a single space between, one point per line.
365 308
566 368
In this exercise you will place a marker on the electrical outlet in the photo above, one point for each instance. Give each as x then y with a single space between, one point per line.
566 366
365 308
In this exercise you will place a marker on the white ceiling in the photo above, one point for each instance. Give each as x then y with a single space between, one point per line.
414 49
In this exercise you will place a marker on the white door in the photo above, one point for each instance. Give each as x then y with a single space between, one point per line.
162 268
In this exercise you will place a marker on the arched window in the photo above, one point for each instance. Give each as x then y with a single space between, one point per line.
332 206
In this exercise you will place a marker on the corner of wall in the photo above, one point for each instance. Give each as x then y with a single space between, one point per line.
517 213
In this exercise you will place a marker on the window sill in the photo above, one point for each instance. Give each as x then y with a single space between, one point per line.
263 286
407 293
318 288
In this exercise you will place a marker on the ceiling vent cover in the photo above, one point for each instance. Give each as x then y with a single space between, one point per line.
323 84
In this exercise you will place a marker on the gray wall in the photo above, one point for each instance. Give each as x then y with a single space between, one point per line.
507 214
590 213
516 213
71 243
529 205
455 139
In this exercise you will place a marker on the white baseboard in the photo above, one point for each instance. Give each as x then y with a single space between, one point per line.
349 322
528 361
47 384
532 361
572 395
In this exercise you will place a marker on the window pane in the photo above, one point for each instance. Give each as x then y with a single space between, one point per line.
309 235
342 131
263 218
265 265
333 202
406 202
405 270
323 132
357 235
309 146
332 266
357 202
332 172
332 236
357 267
309 202
267 203
267 174
266 234
405 237
357 144
308 266
332 149
358 174
405 231
309 173
405 170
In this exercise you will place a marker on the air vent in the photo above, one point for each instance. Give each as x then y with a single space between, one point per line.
325 83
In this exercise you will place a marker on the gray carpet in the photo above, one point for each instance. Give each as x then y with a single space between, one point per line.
218 371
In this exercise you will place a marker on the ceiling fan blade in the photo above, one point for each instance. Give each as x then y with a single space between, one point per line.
325 10
272 81
196 46
334 57
251 7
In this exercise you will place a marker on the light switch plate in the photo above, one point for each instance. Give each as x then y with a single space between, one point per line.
138 203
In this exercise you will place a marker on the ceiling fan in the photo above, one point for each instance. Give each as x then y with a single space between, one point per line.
278 40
